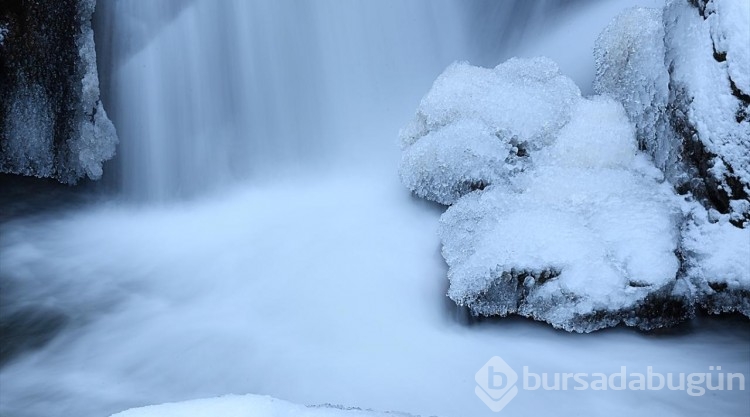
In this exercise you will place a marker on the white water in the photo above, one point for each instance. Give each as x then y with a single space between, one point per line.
318 279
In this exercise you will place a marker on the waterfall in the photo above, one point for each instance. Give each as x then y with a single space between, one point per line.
204 92
319 282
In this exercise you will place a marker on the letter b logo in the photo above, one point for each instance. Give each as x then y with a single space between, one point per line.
496 384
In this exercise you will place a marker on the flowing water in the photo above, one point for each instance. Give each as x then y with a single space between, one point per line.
260 241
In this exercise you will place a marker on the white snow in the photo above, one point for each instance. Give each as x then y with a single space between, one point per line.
474 120
705 83
248 406
730 31
592 209
527 98
446 164
717 256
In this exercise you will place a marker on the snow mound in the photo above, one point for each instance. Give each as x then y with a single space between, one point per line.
588 240
248 406
480 126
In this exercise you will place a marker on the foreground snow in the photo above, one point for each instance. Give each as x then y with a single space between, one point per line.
248 406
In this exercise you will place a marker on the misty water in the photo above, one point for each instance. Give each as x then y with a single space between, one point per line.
252 235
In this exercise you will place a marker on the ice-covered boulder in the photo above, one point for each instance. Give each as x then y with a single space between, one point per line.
683 75
249 406
585 240
52 122
479 127
581 228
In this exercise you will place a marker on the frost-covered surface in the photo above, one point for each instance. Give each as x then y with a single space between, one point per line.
580 229
629 56
52 123
478 127
588 237
249 406
717 263
683 76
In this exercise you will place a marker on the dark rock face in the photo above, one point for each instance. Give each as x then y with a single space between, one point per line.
52 123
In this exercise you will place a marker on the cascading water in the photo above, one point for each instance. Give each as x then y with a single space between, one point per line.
319 279
204 92
237 89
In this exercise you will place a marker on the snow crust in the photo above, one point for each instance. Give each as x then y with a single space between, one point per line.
717 260
681 73
589 228
477 126
248 406
555 212
711 106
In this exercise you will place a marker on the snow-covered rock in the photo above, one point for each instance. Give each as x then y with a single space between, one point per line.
249 406
717 261
52 122
479 127
582 228
683 75
586 240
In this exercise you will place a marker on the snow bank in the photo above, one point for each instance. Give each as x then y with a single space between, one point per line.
248 406
478 127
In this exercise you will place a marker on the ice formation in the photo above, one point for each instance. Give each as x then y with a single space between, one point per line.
629 207
682 74
585 240
52 122
477 126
